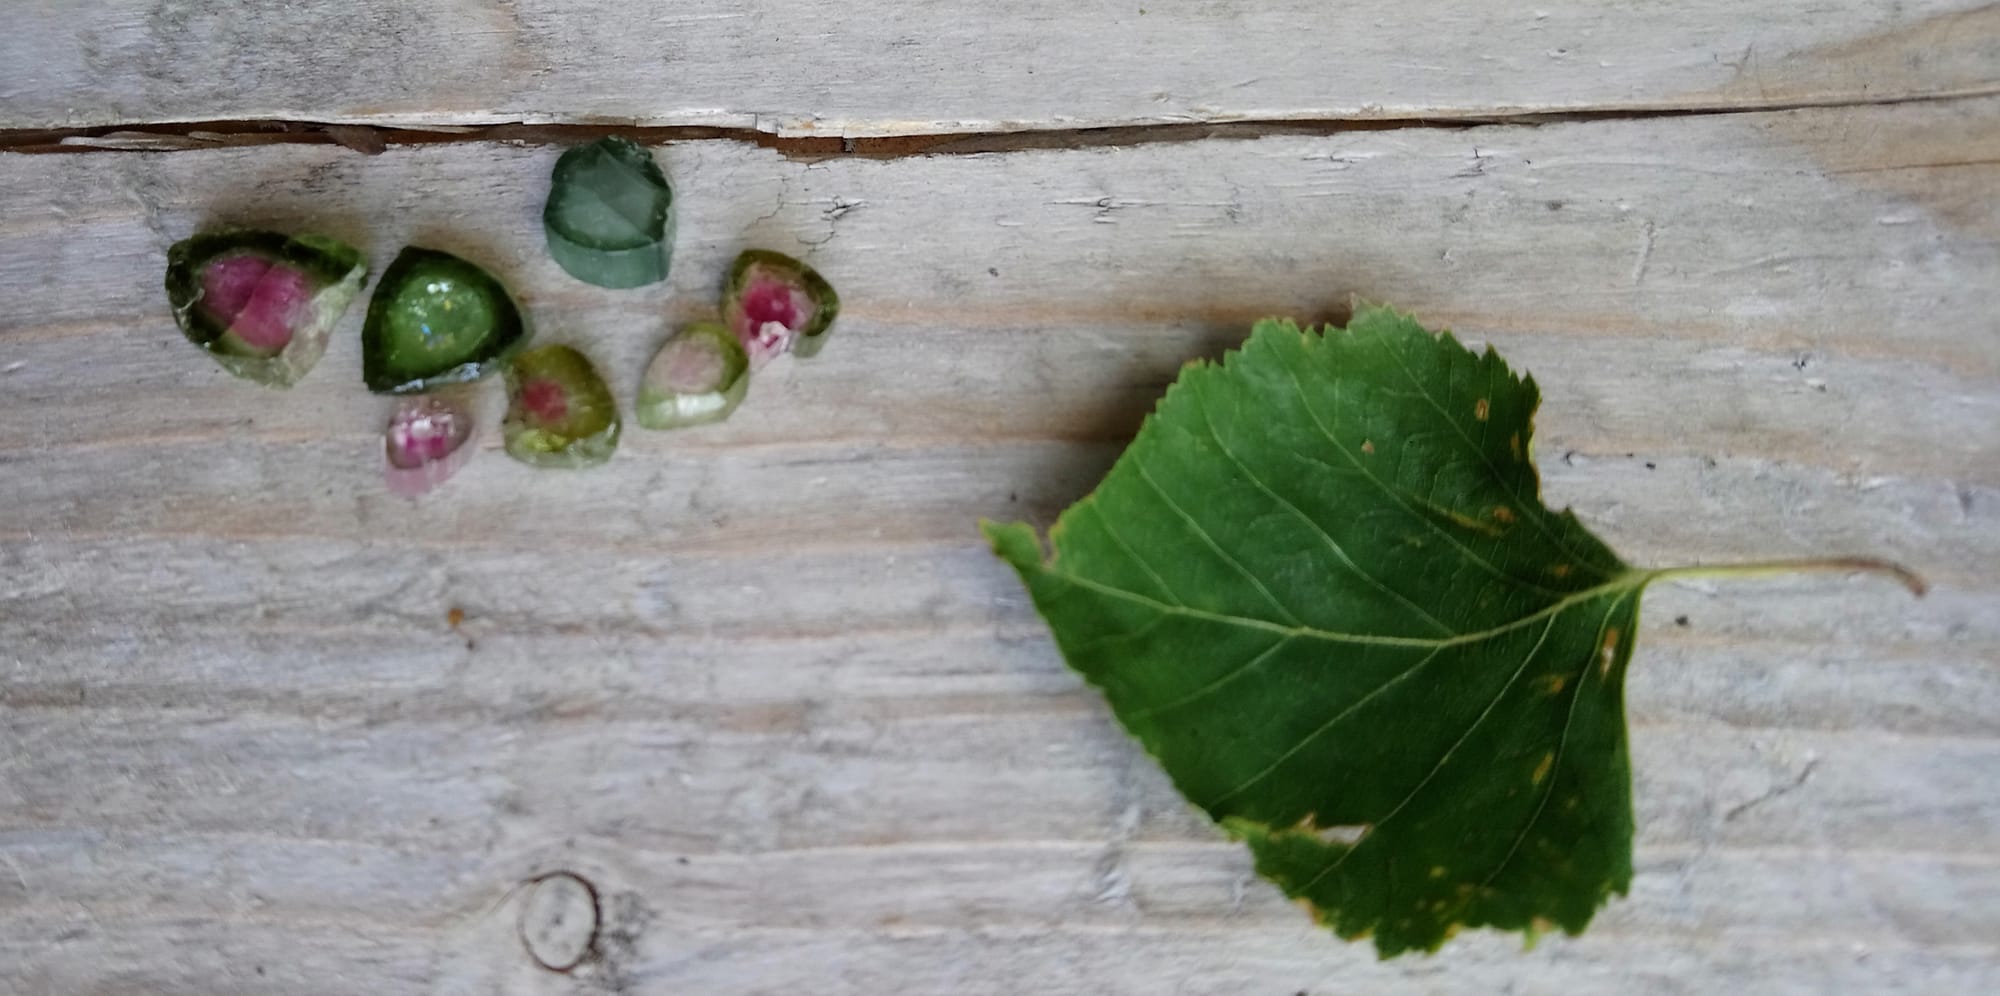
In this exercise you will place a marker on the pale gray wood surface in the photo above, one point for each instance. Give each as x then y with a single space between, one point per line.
762 685
822 67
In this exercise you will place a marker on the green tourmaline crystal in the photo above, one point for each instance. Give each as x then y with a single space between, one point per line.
610 215
437 319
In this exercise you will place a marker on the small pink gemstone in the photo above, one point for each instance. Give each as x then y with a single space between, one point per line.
545 399
425 444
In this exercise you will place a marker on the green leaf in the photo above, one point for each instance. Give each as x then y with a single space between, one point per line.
1321 588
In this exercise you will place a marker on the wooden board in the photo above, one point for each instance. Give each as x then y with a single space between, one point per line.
809 67
761 685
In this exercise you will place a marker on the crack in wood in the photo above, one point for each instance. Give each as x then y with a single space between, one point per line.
370 139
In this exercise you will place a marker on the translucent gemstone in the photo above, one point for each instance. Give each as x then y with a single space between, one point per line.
437 319
262 303
559 411
776 304
428 439
610 217
699 376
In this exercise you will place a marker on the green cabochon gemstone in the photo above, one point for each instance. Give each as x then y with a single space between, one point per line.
559 411
776 304
262 303
699 376
437 319
610 215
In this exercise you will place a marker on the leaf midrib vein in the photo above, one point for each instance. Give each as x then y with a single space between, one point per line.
1624 582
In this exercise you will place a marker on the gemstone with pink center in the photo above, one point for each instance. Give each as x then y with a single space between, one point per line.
426 443
773 311
699 376
262 304
776 305
559 411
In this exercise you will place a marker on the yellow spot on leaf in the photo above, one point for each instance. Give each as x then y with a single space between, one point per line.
1480 410
1476 525
1552 684
1368 447
1451 930
1610 651
1503 515
1542 769
1437 871
1560 570
1514 443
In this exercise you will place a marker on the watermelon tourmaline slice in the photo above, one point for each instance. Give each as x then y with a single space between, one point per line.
427 440
609 219
437 319
699 376
559 411
262 303
776 305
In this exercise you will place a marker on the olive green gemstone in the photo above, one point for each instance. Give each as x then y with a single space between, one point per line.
559 411
437 319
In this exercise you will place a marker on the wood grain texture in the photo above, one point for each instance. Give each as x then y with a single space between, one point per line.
815 67
763 687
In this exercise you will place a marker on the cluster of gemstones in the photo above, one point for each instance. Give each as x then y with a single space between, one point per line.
263 304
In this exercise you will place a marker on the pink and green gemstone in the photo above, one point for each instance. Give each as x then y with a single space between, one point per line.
263 304
776 305
698 377
559 411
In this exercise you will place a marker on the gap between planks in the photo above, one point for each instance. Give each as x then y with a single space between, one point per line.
375 139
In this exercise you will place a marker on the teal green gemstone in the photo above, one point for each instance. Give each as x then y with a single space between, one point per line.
610 215
437 319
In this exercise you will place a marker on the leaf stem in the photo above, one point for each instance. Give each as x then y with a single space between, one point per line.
1829 565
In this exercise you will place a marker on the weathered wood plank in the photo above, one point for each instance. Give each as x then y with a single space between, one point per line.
808 67
243 750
